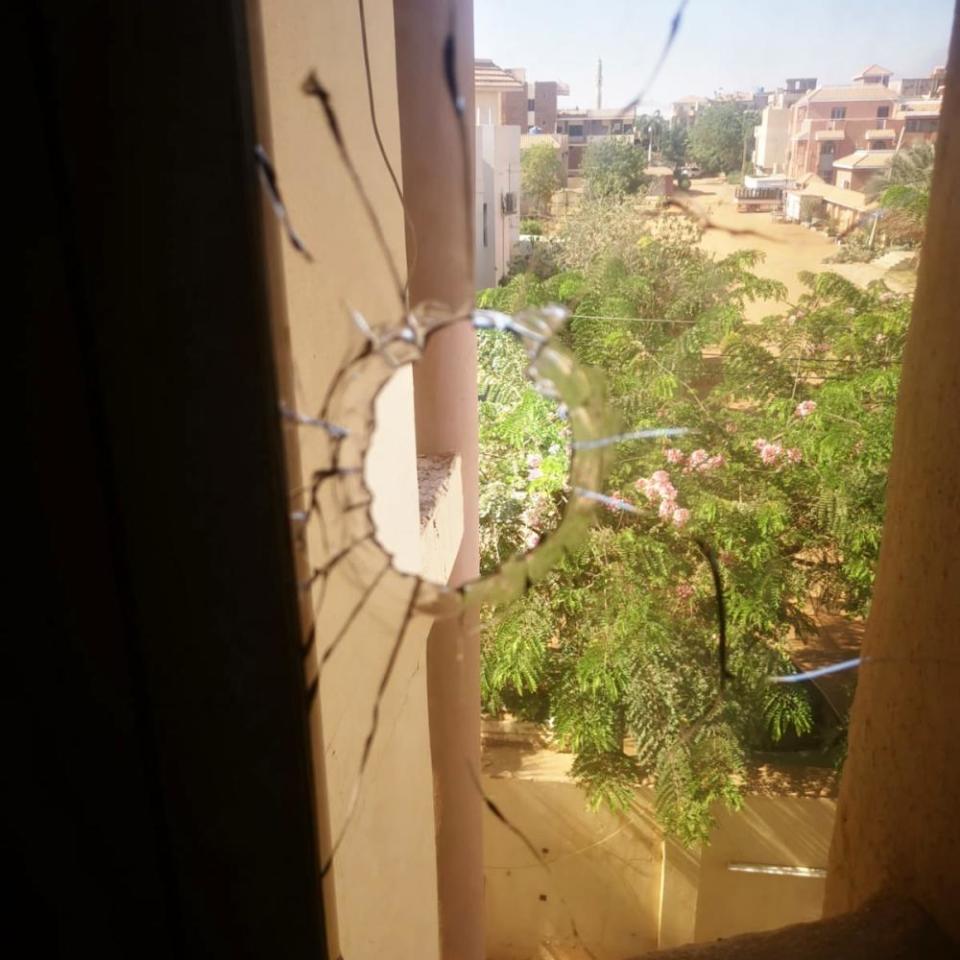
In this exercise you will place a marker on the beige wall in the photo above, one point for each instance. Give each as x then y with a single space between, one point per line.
780 831
604 874
625 887
381 894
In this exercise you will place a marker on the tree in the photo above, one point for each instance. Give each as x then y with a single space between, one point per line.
675 145
717 138
903 191
613 168
783 474
540 171
651 131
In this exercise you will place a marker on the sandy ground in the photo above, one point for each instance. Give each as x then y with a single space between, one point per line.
788 248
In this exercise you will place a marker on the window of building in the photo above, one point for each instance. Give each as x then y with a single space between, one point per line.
883 112
485 225
576 129
838 113
531 103
922 125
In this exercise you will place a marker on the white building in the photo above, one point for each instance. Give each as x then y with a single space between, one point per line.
772 138
497 202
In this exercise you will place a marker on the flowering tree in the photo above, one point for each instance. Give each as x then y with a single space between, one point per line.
783 473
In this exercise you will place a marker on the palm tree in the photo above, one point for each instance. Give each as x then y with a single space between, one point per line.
903 190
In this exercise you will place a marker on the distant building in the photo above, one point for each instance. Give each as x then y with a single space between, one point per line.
583 127
686 110
505 97
535 106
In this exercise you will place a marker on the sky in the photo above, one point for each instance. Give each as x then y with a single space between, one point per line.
722 44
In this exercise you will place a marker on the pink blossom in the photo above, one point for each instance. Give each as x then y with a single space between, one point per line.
680 517
683 591
667 509
698 458
805 408
644 486
794 455
674 455
759 444
534 474
665 490
660 476
770 453
532 539
534 460
715 462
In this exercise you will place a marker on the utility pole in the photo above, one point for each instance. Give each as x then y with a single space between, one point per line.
599 84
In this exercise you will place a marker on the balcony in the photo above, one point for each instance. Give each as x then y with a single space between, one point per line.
619 137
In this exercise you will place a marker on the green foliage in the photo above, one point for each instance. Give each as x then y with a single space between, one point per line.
903 191
784 474
717 138
540 173
613 168
674 148
531 228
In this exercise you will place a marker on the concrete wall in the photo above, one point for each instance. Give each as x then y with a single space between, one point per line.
625 888
484 218
781 831
487 106
604 874
382 890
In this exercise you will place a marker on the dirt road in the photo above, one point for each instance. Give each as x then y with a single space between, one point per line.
788 248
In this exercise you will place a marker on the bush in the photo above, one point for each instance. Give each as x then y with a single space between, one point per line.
531 228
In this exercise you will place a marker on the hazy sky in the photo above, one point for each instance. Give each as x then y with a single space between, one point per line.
729 44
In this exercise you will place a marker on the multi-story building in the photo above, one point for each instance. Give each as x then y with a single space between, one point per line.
533 108
831 124
505 97
583 127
